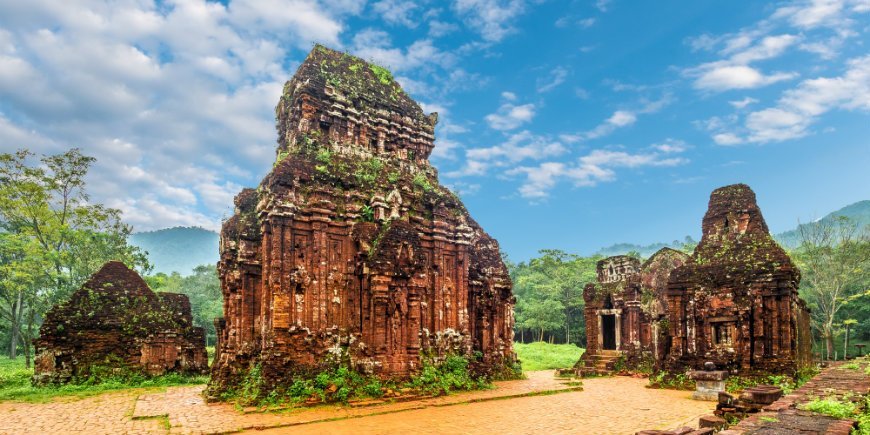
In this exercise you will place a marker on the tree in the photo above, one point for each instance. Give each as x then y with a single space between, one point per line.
834 256
54 237
549 291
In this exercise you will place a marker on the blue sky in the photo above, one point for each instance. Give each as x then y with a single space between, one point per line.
564 124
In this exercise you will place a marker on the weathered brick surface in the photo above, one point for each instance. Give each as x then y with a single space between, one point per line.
116 321
351 247
735 302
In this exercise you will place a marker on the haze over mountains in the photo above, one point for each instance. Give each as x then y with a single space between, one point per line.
180 249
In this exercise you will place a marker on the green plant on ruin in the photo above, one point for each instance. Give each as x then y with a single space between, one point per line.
368 170
671 381
768 419
832 407
393 177
420 181
450 375
367 213
383 75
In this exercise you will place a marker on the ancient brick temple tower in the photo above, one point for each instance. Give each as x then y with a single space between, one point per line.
625 309
350 249
736 302
115 321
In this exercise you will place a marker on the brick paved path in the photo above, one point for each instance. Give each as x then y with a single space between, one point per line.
607 405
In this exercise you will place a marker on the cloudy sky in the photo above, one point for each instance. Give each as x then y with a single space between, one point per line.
564 124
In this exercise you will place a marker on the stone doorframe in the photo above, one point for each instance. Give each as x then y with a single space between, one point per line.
617 312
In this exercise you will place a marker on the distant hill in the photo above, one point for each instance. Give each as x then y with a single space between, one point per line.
178 249
858 212
645 250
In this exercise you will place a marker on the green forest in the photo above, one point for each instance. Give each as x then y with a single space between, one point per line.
52 238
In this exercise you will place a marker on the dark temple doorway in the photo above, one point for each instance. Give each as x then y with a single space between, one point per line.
608 331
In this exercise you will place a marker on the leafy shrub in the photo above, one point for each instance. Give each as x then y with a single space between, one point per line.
450 375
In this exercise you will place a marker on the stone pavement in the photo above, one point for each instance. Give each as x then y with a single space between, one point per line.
616 405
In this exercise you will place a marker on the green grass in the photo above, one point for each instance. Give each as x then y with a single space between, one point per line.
15 383
546 356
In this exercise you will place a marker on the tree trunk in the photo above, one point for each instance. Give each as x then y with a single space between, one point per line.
16 320
28 340
846 345
829 342
542 334
567 329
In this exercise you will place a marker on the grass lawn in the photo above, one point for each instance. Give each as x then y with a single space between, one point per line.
546 356
15 383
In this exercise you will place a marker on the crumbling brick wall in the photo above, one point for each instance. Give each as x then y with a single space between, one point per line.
115 321
736 302
350 248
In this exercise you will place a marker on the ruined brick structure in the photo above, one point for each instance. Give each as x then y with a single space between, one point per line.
735 302
115 321
624 310
350 249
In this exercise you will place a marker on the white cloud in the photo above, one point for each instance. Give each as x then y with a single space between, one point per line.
372 44
739 104
510 116
602 5
727 139
493 19
397 12
149 87
619 119
596 167
818 13
568 20
671 146
726 77
520 146
798 108
555 78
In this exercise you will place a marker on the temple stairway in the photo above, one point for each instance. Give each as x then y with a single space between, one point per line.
601 364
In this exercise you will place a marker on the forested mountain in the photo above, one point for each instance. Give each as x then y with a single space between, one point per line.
858 212
644 250
178 249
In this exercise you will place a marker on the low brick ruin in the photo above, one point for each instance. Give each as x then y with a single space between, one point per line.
114 321
350 249
625 309
735 302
